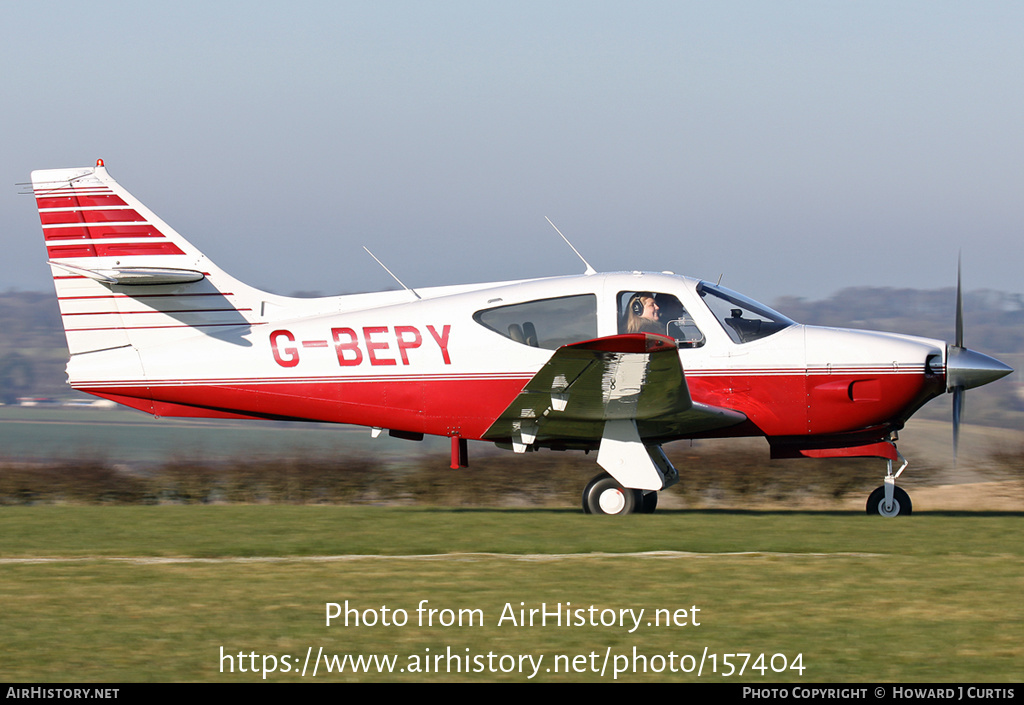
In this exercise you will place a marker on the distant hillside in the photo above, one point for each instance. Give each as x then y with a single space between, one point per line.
993 320
33 352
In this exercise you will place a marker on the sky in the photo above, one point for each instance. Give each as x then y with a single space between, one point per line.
793 148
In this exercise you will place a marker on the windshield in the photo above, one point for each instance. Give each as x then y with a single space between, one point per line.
743 319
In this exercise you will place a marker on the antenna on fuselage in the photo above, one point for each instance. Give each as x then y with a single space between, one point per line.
413 291
590 270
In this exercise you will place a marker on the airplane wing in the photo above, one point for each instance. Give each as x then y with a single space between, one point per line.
635 377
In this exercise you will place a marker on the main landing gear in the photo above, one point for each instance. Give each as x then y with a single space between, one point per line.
890 500
635 473
604 495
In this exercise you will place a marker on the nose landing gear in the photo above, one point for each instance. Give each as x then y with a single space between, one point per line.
890 500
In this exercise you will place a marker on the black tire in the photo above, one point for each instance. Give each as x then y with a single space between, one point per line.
649 503
901 505
604 495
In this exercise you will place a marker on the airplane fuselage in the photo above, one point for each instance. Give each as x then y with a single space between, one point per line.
427 365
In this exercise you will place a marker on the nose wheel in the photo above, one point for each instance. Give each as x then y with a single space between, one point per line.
899 505
890 500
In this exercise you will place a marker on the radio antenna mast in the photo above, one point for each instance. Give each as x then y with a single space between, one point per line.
413 291
590 270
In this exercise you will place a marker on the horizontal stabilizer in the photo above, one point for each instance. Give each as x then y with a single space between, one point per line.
134 276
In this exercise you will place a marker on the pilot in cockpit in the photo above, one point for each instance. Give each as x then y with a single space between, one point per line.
644 315
663 314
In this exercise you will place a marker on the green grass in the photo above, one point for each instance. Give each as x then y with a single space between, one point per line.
931 598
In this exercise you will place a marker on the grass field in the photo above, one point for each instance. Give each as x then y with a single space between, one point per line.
155 593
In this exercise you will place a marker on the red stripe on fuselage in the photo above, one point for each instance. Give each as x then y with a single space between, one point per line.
438 407
776 405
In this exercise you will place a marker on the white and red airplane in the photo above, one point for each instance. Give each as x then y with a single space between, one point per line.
620 363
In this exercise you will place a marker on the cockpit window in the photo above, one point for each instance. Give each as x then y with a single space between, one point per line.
545 323
743 319
651 312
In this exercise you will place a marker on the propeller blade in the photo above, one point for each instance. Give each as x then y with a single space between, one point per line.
951 354
959 308
958 408
966 369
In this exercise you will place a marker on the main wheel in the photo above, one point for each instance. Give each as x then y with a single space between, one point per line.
649 503
604 495
901 505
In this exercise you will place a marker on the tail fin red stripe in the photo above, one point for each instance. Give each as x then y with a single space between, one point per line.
101 231
119 249
84 200
63 251
115 215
